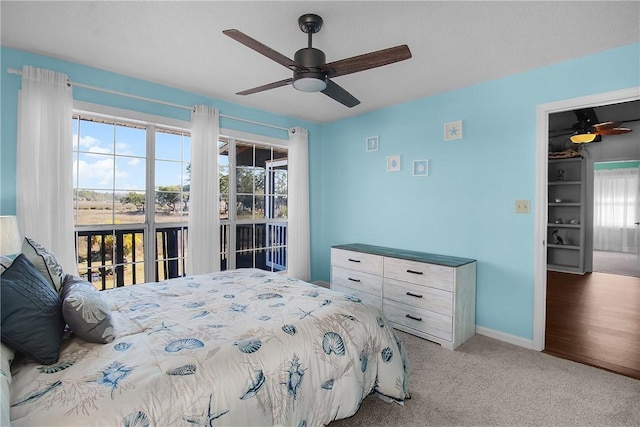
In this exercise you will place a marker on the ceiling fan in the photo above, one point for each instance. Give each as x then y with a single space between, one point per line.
589 129
311 72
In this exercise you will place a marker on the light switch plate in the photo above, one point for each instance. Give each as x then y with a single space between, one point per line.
522 206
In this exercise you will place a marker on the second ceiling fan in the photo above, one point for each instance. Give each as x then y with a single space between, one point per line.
311 72
589 129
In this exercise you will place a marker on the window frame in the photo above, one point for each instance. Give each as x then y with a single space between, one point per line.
151 123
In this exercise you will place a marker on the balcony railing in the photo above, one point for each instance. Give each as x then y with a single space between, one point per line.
115 258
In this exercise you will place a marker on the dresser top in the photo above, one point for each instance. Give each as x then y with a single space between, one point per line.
445 260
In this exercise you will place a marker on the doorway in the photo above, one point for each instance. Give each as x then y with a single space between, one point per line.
588 316
541 215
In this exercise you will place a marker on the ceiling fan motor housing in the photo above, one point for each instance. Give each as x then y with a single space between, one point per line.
312 79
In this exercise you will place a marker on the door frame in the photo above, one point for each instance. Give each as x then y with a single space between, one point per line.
541 193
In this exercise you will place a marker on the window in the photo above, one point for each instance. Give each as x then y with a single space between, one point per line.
120 169
131 201
253 210
172 179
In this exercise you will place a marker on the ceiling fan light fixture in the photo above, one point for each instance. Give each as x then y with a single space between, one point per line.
309 82
583 137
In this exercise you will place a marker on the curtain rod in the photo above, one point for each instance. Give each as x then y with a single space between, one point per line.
156 101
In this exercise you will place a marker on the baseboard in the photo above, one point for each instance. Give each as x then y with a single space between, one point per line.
511 339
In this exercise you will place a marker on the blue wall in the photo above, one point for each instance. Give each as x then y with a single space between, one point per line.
465 207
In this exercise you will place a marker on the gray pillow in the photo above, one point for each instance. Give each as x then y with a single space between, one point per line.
32 321
45 262
85 311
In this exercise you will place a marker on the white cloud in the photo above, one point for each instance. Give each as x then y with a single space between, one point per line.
85 141
97 174
98 150
124 149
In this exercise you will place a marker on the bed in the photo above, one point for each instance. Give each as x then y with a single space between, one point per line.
241 347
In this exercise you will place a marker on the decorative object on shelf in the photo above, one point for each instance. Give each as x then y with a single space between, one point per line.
557 200
560 174
453 130
372 143
574 221
393 164
568 153
558 221
557 239
421 167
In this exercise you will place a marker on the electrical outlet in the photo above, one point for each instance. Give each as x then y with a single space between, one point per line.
522 206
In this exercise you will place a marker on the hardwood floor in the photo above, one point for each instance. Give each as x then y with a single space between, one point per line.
594 319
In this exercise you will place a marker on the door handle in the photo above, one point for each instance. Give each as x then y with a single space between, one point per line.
637 223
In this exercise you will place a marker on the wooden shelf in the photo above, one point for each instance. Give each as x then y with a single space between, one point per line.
567 179
568 247
565 182
569 204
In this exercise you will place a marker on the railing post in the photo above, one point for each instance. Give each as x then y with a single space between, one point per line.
119 261
172 251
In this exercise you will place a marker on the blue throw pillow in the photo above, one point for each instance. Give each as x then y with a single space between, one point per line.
32 321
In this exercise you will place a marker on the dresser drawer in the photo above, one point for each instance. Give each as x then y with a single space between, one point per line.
419 296
425 321
369 299
358 261
357 280
435 276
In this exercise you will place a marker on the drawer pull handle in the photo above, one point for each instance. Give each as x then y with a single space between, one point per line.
354 280
419 319
414 272
354 260
414 295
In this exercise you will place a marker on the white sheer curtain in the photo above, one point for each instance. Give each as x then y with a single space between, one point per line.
203 254
616 209
45 163
298 263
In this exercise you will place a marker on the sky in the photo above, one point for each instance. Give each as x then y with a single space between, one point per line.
114 157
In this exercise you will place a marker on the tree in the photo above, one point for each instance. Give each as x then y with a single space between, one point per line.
136 199
168 197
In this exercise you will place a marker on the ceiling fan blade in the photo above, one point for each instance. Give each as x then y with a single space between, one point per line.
614 131
606 125
266 87
366 61
263 49
336 92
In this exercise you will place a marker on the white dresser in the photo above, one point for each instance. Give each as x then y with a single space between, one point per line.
427 295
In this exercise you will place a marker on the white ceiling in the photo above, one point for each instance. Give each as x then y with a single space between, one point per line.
454 44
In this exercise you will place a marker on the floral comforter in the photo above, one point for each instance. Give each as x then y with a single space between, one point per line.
241 347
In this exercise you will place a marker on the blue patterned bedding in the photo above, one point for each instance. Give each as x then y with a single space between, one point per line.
241 347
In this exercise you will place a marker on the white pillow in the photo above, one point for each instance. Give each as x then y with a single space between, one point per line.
45 261
6 357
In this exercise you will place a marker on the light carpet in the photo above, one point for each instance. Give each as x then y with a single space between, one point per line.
486 382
